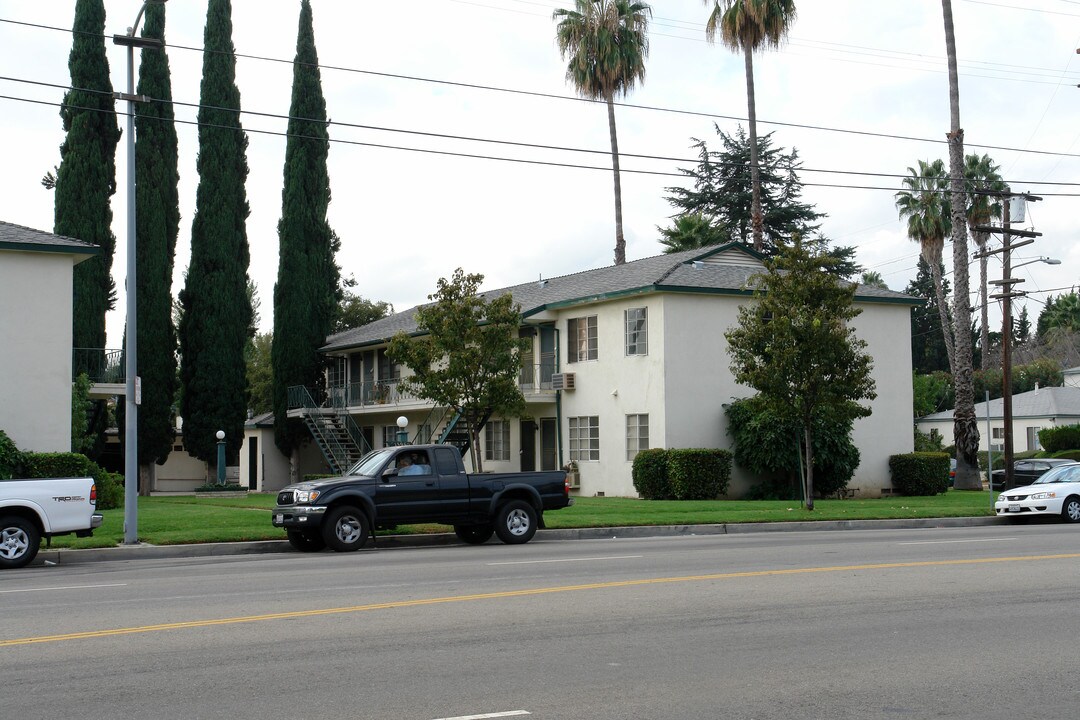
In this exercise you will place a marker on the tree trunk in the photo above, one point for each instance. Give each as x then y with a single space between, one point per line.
474 444
147 478
757 223
939 295
294 465
965 425
984 332
620 241
808 441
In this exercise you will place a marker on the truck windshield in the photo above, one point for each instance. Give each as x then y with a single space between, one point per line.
370 463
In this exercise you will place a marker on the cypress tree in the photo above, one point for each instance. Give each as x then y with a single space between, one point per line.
86 178
157 219
216 311
306 292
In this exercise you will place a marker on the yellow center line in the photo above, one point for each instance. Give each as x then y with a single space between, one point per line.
513 594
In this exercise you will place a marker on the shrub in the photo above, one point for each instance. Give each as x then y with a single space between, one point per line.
650 473
1056 439
11 460
929 442
51 465
1068 454
920 473
110 491
698 474
214 487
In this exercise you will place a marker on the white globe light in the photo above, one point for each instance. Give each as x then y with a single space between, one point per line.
402 421
220 434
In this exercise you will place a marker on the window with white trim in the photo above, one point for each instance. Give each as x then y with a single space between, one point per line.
581 339
637 331
585 438
637 434
497 440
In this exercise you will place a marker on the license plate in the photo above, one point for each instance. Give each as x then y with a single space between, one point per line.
1014 507
278 519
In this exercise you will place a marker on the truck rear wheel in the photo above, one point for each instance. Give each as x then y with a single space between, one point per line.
474 534
306 541
345 528
19 542
515 522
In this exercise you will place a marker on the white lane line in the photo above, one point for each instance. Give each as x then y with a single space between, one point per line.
561 560
949 542
68 587
509 713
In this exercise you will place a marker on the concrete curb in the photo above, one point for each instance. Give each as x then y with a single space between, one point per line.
161 552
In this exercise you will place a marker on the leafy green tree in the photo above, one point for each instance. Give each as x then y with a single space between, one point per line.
81 408
690 231
215 325
260 374
795 346
928 351
306 295
981 178
606 42
926 208
1060 314
931 393
356 311
1022 327
157 218
86 178
750 26
468 355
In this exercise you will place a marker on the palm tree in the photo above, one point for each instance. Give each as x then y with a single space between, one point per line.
750 25
982 178
872 278
926 208
689 231
606 43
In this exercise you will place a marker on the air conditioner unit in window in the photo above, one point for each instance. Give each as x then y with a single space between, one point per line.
562 381
575 480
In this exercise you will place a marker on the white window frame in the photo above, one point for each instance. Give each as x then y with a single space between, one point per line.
582 347
636 440
497 440
636 341
584 436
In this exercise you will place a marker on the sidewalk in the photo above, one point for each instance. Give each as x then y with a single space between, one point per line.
161 552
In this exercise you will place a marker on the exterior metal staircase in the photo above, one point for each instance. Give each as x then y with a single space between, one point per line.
335 432
450 429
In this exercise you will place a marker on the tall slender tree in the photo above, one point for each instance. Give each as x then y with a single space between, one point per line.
86 178
982 180
749 26
926 208
607 42
157 223
306 294
965 424
215 323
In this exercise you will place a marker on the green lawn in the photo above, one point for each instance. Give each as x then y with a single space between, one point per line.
187 519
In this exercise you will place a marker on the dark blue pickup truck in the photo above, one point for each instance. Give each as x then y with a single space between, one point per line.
417 484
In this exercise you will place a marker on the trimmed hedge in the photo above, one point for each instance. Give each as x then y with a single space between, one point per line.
920 473
682 474
1068 454
110 487
1057 439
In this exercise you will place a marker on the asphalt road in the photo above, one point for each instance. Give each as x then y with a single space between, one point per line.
930 623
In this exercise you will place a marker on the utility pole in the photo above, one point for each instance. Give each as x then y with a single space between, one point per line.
1006 295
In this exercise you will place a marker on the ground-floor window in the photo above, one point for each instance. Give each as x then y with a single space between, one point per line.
637 435
585 437
497 440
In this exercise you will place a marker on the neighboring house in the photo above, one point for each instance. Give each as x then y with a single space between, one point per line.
621 358
35 327
263 467
1031 411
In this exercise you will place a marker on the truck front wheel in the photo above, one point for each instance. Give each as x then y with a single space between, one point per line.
19 541
515 522
345 528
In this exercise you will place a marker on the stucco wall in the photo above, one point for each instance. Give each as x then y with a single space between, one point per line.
35 365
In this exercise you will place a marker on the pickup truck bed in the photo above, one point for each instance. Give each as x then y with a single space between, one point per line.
43 508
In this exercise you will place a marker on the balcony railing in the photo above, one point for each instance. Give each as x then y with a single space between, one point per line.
536 378
100 366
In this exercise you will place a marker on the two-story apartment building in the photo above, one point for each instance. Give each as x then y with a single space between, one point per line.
622 358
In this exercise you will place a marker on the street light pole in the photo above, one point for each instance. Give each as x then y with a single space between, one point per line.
131 369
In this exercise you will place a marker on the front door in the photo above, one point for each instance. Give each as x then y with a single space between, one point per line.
549 444
528 446
253 463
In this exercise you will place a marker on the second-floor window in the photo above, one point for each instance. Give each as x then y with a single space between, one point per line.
637 331
581 339
585 438
497 440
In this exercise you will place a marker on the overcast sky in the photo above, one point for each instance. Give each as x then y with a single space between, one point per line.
489 72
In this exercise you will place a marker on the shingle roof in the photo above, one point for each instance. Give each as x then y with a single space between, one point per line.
17 237
1041 402
723 269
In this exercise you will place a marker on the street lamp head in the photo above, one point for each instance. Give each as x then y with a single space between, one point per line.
1051 261
220 435
402 421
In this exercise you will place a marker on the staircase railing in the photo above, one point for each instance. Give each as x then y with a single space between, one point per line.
339 449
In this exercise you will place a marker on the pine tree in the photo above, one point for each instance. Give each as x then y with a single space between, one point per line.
86 178
157 218
215 324
306 294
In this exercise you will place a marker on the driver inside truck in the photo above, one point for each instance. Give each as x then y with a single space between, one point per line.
409 464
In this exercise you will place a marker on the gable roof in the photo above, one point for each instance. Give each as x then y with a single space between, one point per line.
17 237
1052 402
721 269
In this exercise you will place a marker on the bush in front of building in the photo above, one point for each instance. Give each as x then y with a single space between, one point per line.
698 474
920 473
650 474
1058 439
110 489
11 460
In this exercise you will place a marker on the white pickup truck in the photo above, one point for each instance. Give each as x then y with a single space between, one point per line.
42 508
